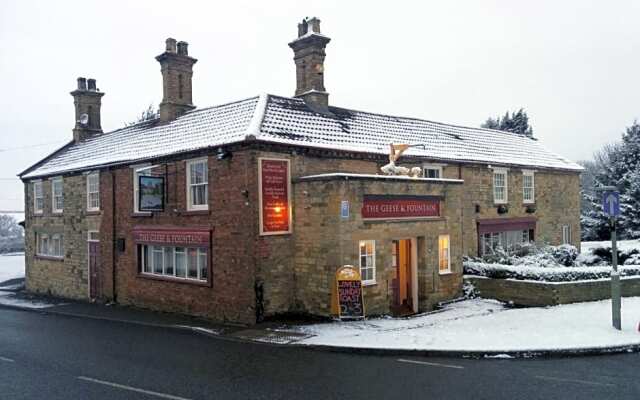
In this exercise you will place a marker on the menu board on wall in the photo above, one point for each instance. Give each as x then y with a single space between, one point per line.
275 196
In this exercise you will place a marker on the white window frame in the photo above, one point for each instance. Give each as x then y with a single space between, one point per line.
197 207
441 251
566 234
435 167
36 185
371 267
89 192
50 251
135 171
505 173
527 173
185 253
54 182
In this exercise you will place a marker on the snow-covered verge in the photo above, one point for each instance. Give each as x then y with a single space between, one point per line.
486 325
11 266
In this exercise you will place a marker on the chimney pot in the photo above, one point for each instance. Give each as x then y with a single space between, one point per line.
91 85
183 48
315 24
170 45
82 84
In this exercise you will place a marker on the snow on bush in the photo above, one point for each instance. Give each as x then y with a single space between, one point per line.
555 263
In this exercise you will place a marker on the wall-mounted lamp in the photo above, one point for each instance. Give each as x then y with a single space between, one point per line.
223 154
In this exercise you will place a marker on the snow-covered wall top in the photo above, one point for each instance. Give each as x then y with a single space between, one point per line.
288 121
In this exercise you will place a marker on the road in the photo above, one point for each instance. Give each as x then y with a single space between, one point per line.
56 357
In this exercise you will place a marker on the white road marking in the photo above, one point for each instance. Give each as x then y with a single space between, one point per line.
6 359
580 381
132 389
430 364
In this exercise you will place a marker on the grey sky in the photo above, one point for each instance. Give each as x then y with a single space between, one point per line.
573 65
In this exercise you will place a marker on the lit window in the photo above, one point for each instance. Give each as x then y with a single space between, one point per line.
508 241
197 185
500 186
566 234
368 261
528 189
57 197
174 262
38 198
50 245
432 171
93 192
444 254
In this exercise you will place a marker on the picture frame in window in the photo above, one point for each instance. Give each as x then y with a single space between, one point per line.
151 193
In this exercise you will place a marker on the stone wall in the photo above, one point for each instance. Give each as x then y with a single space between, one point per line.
540 294
324 242
66 277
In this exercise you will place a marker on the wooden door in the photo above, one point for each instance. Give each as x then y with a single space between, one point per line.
94 263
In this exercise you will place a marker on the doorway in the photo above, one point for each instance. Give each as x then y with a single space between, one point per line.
405 281
93 261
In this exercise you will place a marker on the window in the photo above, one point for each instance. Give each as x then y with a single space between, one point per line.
368 261
566 234
500 186
93 192
38 198
174 262
528 190
57 197
432 171
197 185
137 171
507 240
444 254
50 245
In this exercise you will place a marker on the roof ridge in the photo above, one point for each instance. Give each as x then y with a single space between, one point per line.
255 125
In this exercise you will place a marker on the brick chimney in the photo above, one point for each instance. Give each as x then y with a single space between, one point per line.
309 55
87 101
177 70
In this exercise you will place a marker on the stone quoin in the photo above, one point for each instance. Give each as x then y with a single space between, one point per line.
263 199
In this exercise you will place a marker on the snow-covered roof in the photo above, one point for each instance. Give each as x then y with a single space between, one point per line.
289 121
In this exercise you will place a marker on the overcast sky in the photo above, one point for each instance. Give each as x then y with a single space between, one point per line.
573 65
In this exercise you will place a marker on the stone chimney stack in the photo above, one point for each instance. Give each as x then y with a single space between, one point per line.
87 101
308 50
177 70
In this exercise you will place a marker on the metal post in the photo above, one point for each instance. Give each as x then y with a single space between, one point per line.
615 280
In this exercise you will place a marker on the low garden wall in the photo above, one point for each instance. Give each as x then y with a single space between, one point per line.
539 293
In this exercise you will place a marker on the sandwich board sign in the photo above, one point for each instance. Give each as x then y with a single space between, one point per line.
348 289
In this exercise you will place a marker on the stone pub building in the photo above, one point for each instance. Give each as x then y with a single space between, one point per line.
245 210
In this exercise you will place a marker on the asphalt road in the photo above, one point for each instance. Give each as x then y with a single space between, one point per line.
56 357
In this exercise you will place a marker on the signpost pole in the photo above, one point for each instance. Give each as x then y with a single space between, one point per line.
615 279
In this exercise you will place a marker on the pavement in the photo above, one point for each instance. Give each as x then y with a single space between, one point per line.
12 295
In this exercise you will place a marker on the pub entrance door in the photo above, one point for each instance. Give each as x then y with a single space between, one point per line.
404 284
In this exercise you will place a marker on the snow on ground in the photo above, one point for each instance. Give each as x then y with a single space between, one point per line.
11 299
486 325
11 266
623 245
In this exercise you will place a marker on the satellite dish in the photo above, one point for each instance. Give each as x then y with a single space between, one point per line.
84 119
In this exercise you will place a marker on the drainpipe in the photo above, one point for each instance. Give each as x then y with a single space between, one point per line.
114 241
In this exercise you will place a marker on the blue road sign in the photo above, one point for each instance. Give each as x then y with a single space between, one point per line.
611 203
344 209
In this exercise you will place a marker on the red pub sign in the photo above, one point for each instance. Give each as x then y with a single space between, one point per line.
169 236
275 196
400 206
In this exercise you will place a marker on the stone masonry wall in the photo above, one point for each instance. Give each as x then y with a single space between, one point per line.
67 277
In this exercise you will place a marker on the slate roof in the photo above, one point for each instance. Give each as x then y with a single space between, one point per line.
287 120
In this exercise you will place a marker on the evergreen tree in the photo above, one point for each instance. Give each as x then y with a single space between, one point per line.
518 122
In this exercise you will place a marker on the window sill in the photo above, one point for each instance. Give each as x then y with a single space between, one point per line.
169 279
49 258
141 215
533 203
93 212
445 273
369 283
194 212
57 213
38 214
